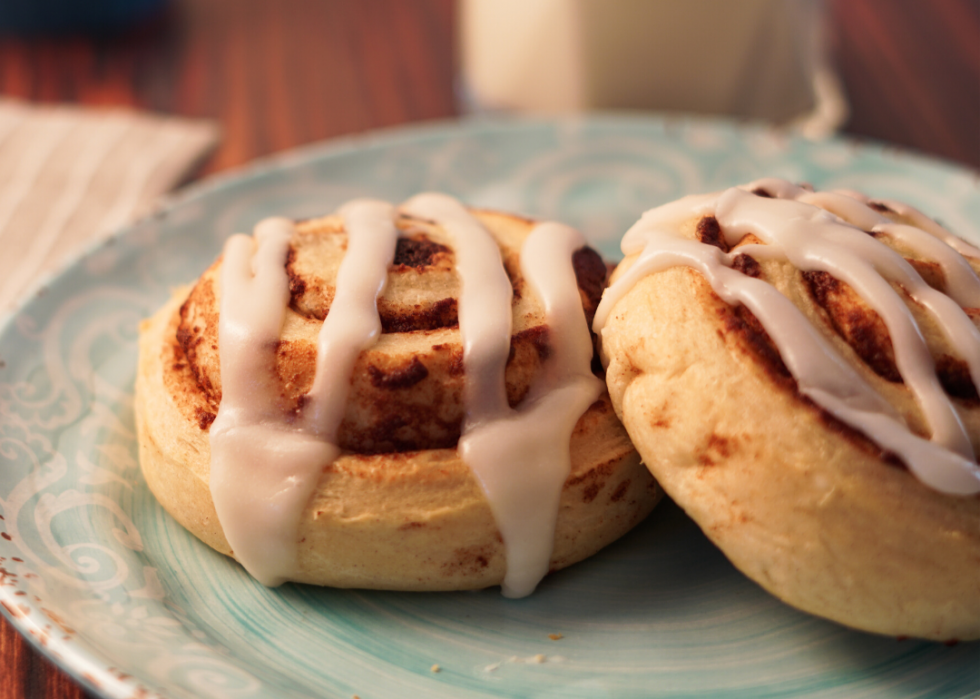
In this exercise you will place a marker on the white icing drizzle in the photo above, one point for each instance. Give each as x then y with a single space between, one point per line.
813 239
484 304
261 466
265 463
353 323
266 459
934 243
520 457
921 221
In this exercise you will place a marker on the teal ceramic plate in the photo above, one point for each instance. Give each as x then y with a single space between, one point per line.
108 586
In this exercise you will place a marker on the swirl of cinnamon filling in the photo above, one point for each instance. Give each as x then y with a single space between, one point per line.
406 391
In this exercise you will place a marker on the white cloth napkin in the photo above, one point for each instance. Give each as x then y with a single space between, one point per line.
69 175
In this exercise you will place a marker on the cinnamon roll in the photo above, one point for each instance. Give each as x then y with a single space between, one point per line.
390 398
799 370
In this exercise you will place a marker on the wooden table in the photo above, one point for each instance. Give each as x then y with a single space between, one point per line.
276 75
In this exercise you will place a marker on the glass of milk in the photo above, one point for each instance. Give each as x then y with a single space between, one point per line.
759 59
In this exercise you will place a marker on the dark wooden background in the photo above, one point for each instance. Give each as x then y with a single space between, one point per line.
283 73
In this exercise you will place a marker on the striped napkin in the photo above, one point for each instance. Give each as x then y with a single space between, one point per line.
70 175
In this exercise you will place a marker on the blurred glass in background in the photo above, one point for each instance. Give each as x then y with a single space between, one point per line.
759 59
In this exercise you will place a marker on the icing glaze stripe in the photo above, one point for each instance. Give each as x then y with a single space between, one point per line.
812 239
484 303
522 459
261 466
353 324
264 468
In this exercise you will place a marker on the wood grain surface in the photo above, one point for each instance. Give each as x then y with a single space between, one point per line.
276 75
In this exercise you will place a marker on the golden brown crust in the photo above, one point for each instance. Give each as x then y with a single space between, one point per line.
804 505
391 515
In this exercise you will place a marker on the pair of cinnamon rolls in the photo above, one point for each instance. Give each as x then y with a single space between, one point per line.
428 397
